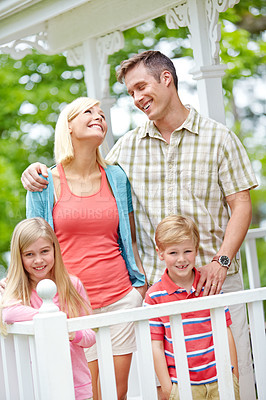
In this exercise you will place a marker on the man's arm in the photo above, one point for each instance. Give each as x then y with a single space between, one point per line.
213 274
31 179
161 368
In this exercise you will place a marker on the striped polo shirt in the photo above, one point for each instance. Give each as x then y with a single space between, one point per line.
197 331
203 163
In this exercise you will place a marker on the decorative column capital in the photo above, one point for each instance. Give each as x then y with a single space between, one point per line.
211 71
184 13
105 46
178 16
213 8
75 56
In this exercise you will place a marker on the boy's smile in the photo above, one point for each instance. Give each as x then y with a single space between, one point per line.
180 260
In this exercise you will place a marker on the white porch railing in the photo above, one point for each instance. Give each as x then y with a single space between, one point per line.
251 256
35 362
35 358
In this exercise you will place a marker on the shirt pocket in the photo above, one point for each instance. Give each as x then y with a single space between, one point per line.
201 185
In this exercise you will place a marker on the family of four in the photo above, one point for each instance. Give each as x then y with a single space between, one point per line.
186 177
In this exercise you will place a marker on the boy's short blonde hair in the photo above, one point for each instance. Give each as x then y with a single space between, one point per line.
175 229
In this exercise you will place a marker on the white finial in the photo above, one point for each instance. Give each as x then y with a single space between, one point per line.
47 289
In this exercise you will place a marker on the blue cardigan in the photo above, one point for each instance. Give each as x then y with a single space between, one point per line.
40 204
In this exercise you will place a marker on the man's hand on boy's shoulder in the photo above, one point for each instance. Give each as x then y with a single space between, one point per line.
212 277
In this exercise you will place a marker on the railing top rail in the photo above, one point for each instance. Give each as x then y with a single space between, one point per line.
172 308
256 233
144 313
22 328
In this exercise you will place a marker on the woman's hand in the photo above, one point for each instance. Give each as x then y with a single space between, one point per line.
142 289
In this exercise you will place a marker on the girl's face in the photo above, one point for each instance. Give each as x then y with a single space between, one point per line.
38 260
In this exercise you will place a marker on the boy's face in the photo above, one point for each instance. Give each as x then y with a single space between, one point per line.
179 260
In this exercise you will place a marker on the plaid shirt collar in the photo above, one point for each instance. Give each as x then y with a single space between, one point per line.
191 124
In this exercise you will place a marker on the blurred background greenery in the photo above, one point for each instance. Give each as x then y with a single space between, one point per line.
34 90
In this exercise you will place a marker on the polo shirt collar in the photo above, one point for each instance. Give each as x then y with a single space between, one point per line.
191 124
172 287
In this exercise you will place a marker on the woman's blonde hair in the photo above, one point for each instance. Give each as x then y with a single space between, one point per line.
19 287
175 229
63 148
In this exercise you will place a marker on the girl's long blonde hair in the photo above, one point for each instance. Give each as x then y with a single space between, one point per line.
19 288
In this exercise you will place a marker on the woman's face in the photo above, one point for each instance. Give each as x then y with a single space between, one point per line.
89 124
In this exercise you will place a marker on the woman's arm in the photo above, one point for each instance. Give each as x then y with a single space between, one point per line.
40 204
161 368
141 289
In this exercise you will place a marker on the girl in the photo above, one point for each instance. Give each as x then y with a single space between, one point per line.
36 255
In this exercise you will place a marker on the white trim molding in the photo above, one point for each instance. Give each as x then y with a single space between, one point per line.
19 48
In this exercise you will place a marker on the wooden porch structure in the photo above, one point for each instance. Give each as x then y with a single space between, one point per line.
91 30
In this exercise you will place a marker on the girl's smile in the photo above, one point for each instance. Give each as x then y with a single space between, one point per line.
38 260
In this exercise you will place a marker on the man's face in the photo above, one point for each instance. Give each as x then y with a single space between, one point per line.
149 95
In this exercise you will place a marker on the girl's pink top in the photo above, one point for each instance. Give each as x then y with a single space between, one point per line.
84 338
87 230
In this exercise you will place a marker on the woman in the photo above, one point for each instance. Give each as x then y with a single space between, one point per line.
88 203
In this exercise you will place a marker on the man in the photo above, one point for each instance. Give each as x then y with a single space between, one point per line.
179 162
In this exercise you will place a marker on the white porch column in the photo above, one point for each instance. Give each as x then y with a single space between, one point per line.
201 17
93 54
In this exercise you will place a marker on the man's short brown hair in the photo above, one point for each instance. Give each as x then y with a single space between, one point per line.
154 61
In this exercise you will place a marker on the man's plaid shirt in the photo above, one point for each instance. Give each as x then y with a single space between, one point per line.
204 163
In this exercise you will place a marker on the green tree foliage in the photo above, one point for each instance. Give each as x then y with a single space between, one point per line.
32 93
34 90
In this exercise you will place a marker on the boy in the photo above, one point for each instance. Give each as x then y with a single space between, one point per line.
177 240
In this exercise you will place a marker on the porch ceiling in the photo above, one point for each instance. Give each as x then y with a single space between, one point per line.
70 22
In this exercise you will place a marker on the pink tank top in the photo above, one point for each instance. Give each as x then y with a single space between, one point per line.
86 227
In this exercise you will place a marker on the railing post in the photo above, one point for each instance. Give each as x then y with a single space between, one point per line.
252 257
258 340
180 353
106 364
145 361
52 347
222 354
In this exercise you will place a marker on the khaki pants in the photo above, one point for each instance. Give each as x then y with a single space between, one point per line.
240 332
205 392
